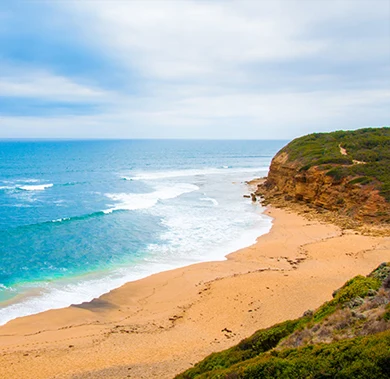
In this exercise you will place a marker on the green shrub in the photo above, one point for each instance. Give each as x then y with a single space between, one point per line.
337 173
386 316
359 286
382 273
361 180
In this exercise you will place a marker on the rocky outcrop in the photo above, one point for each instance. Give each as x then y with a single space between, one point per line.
287 180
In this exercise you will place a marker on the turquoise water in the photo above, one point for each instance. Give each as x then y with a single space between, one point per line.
79 218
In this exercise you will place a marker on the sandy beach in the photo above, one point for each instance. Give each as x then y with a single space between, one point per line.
165 323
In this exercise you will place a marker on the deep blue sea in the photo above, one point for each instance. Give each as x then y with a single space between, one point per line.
79 218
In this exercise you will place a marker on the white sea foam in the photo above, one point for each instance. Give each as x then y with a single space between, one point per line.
38 187
157 175
61 219
3 287
10 185
193 233
133 201
63 293
182 234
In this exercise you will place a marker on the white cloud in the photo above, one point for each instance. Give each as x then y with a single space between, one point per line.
194 40
46 86
224 116
188 39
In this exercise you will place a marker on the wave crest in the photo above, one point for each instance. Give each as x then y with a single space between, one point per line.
158 175
39 187
134 201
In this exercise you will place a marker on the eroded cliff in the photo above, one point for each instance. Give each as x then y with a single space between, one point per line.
323 171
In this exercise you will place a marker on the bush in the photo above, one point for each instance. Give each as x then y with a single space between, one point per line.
361 180
386 316
358 287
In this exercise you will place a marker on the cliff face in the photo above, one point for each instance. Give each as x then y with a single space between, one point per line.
315 187
346 172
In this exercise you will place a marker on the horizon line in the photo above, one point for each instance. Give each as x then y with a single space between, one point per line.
28 139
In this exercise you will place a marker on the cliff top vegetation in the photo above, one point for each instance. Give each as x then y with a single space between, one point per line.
361 155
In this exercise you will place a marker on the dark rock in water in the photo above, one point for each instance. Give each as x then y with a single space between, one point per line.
253 196
247 196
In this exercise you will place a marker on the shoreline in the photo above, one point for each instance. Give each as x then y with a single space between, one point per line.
84 281
164 323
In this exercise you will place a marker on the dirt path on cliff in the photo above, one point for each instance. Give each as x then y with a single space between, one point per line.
342 150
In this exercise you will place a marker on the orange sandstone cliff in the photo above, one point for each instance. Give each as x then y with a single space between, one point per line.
320 172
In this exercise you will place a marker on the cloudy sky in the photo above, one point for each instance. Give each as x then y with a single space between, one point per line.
192 69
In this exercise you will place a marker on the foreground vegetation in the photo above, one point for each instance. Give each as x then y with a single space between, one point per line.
367 158
347 337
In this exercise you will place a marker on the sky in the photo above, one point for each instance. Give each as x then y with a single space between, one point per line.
205 69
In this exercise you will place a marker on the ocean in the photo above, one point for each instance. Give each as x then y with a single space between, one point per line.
79 218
